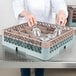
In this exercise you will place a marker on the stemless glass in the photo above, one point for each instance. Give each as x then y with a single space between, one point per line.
36 31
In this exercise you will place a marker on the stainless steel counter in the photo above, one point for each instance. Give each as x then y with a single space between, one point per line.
12 59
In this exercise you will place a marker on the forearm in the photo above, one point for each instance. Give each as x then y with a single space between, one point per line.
23 13
62 12
29 17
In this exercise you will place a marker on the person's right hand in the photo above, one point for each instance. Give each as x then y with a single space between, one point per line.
29 17
31 20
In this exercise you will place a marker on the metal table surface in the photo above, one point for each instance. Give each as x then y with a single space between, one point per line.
12 59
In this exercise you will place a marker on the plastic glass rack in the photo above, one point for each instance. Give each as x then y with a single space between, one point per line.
43 41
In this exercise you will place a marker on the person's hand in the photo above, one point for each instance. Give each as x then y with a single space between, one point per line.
61 19
29 17
31 20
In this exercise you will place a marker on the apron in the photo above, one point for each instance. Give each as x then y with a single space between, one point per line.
41 9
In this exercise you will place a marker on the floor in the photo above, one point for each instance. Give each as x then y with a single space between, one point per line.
48 72
60 72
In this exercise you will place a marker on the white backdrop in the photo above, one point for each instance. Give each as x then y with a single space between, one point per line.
6 13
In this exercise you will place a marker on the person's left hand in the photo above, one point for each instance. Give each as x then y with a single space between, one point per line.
61 19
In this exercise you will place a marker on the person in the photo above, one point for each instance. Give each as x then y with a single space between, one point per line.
31 11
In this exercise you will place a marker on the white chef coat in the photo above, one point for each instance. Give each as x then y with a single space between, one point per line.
41 9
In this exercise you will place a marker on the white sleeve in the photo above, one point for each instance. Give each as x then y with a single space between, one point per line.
60 5
18 7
